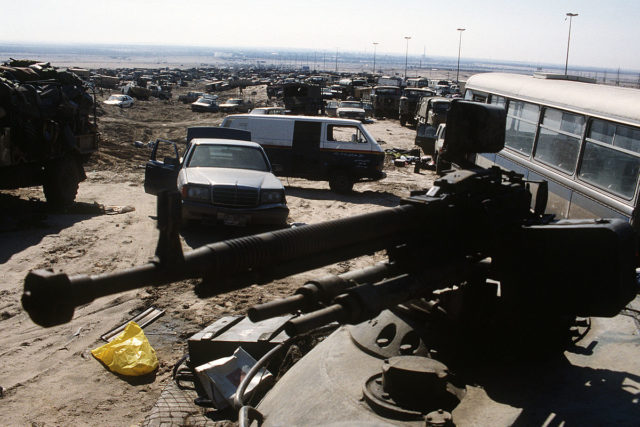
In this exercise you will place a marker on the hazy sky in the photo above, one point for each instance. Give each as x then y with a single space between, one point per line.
605 34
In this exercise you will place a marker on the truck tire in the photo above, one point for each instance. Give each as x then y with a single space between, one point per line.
61 182
341 182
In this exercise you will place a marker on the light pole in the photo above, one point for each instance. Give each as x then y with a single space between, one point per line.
566 64
406 57
459 49
375 44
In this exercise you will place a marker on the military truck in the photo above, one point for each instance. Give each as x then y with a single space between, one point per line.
386 101
303 99
46 132
409 100
431 112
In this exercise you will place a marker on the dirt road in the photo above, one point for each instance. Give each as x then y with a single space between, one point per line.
48 375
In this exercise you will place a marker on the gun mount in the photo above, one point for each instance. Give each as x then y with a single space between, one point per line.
492 273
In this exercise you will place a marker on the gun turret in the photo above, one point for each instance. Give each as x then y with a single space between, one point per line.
479 214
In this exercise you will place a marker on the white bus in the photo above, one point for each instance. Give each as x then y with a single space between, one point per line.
581 137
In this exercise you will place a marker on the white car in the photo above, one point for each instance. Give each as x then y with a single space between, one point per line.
122 101
269 110
223 180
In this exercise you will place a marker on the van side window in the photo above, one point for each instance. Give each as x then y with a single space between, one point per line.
559 139
602 165
351 134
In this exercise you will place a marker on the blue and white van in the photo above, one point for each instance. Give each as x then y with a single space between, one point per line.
340 151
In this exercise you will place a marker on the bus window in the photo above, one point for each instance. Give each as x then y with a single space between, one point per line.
627 138
522 121
559 139
605 167
498 100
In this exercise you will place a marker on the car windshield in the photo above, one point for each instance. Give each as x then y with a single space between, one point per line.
387 91
350 104
205 101
233 101
441 107
117 98
228 156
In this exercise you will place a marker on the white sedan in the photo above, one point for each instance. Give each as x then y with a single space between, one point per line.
122 101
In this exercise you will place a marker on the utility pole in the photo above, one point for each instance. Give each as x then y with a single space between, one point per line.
375 44
406 57
459 49
566 64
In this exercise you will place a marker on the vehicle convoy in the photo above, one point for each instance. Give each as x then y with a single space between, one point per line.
386 101
409 103
340 151
222 178
440 334
46 133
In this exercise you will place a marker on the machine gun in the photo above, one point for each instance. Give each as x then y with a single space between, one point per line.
468 256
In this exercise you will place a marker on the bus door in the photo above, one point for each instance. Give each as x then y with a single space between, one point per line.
306 148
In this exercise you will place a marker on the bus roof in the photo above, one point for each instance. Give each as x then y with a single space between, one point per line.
610 102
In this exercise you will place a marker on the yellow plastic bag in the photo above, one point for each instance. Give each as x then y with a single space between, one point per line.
129 353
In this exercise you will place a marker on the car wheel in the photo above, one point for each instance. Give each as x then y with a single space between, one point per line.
341 182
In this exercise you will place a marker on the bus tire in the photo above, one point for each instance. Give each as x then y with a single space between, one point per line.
61 182
341 182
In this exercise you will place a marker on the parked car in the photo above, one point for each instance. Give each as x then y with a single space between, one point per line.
190 97
205 104
236 105
351 110
331 108
269 110
229 181
122 101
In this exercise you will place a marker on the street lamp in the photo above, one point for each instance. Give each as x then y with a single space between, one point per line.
375 44
406 57
459 48
566 64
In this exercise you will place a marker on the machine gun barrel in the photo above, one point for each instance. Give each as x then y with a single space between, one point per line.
366 301
50 298
322 290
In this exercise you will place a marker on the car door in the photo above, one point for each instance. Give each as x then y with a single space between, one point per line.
161 171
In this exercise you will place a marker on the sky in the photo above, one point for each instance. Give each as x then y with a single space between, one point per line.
604 34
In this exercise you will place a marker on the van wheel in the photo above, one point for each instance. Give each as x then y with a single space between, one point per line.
340 182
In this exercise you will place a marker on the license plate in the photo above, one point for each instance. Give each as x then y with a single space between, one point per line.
233 219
